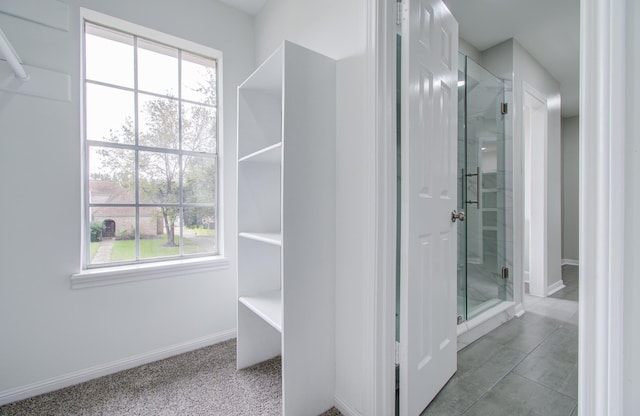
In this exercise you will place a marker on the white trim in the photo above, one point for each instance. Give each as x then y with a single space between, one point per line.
569 262
602 201
145 32
559 285
69 379
484 323
144 271
382 54
344 408
54 14
538 233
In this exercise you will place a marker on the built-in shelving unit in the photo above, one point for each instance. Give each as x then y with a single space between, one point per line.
286 224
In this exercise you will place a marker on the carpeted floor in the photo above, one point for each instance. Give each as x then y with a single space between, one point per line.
201 382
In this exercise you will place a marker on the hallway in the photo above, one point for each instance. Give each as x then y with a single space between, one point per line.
528 366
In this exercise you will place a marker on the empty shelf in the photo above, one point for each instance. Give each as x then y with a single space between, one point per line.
270 238
270 154
267 306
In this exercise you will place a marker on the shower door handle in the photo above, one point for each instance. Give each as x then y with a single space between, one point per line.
478 176
455 215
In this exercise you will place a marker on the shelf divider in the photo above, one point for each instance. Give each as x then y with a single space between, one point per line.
268 154
269 238
267 305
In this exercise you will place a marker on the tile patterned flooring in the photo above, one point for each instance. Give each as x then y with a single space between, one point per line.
528 366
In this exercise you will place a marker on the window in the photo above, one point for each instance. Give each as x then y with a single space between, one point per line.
150 145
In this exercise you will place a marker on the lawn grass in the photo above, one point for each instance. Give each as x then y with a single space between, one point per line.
203 232
93 248
124 250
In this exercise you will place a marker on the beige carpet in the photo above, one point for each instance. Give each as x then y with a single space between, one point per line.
201 382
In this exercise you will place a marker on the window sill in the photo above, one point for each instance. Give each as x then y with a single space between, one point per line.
135 273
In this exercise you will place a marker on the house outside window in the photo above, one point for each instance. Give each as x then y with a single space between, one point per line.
150 143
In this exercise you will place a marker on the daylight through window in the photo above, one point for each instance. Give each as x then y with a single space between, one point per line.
151 133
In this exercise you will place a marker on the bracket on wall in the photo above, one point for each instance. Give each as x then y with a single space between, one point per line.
41 82
23 79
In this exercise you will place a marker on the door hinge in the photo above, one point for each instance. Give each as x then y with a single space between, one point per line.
504 108
505 272
399 12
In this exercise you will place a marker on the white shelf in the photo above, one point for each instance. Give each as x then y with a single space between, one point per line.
489 190
267 306
270 154
269 238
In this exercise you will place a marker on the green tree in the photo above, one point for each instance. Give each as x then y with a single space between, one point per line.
159 172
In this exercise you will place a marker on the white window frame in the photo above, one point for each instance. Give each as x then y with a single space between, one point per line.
106 274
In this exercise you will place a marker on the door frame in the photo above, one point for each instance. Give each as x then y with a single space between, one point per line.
602 83
537 201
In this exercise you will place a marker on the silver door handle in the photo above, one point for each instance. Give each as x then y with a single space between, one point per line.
455 215
478 176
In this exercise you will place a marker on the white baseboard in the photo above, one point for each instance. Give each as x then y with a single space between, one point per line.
69 379
569 262
345 408
555 287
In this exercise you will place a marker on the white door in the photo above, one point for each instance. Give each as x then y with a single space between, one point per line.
429 77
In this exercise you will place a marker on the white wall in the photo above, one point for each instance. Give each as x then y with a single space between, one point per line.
570 188
509 60
631 315
468 49
51 333
338 29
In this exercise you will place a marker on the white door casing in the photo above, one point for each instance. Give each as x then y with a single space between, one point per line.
429 78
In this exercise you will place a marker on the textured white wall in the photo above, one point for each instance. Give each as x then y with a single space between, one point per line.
48 330
338 29
570 188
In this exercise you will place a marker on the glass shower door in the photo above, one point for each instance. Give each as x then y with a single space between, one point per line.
482 191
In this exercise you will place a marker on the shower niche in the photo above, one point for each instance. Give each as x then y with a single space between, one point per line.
484 192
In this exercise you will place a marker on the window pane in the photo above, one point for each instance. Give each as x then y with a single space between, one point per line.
111 176
157 68
199 126
158 122
200 230
199 180
112 235
199 79
159 232
109 114
159 178
108 56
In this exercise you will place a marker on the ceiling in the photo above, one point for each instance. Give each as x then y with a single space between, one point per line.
548 29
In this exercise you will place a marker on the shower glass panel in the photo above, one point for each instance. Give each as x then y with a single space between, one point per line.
482 237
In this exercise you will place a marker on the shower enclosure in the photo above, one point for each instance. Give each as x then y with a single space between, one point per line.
484 195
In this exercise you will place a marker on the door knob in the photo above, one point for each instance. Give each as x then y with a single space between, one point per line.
455 215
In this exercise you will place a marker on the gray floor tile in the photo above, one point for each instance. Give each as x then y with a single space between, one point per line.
456 396
494 369
528 366
476 354
550 372
525 333
515 395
